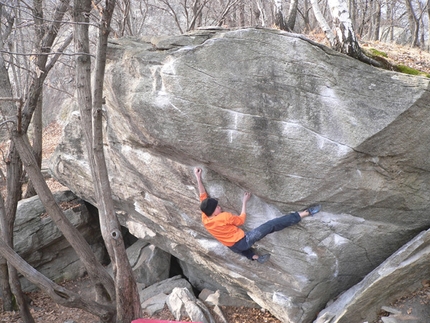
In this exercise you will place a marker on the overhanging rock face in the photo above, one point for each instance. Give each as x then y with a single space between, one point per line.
269 112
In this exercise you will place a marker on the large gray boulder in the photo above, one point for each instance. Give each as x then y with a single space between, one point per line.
275 114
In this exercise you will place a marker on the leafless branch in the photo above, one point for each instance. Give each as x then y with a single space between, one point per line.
59 52
226 10
46 54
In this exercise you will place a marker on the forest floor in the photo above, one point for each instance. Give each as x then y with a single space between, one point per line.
46 311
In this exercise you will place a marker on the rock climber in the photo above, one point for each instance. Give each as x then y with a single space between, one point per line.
224 226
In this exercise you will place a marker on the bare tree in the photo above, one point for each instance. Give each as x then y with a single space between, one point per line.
428 19
130 17
304 13
292 15
14 173
7 107
260 13
390 20
279 15
323 22
413 23
21 150
127 297
343 38
37 117
375 20
228 8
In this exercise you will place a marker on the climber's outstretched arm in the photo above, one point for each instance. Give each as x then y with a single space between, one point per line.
198 173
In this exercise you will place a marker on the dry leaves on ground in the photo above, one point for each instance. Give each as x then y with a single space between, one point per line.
45 310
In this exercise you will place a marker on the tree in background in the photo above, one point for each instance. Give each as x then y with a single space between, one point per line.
292 15
279 15
7 108
369 18
344 39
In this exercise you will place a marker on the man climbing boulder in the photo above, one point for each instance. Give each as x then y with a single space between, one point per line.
224 226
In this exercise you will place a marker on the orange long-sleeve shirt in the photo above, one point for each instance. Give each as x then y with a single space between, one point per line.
224 226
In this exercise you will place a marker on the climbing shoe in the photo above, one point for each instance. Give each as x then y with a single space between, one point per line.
313 209
263 258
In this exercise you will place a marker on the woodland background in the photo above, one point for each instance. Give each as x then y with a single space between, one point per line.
23 24
51 49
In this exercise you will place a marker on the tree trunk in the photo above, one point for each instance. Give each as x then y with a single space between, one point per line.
352 11
306 18
363 20
7 296
376 20
292 15
345 40
37 142
323 23
413 23
197 14
8 110
15 285
225 11
390 32
127 296
96 271
242 13
260 14
5 287
37 115
279 16
14 192
46 44
428 19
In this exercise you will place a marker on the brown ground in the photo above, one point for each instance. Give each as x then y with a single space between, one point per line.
46 311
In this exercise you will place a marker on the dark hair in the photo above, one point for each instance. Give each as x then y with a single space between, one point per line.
208 206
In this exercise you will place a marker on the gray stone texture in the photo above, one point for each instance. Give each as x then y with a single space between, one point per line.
275 114
149 263
38 240
182 303
165 286
401 273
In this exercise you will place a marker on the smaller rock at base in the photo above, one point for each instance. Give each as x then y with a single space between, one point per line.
154 304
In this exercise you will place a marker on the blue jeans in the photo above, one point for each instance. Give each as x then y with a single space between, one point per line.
243 246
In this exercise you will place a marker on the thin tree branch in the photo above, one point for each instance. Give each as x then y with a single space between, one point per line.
46 54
